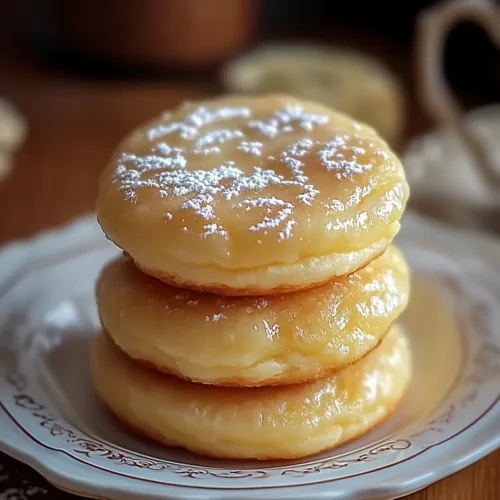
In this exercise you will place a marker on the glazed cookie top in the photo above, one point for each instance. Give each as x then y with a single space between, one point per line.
279 338
247 181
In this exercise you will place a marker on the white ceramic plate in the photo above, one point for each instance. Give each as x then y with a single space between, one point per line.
51 419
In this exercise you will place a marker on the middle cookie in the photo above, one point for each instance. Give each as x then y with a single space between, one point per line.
252 341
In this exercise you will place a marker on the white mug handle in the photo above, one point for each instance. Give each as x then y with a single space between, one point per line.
433 27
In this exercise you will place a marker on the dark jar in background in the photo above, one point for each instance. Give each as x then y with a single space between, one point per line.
155 33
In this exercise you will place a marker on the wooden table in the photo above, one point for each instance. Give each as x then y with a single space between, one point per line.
74 124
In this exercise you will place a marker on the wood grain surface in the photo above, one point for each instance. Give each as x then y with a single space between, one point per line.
75 121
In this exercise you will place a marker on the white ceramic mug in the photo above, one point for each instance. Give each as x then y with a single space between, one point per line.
433 28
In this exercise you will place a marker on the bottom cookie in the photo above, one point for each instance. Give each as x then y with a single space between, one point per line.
254 423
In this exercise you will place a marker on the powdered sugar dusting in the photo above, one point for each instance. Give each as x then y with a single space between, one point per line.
261 303
253 148
214 318
279 211
200 117
165 170
214 229
271 330
215 137
342 158
283 121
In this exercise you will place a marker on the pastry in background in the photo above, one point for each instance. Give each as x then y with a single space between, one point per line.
252 341
343 79
252 195
261 422
447 182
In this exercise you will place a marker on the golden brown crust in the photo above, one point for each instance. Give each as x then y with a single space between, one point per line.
220 289
350 263
290 379
227 291
251 341
291 456
263 423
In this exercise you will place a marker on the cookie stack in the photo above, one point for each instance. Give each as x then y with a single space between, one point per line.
252 313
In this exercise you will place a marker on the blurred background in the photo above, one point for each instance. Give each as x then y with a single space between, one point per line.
82 73
77 75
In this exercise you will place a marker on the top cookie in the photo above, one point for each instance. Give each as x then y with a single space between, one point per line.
244 196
